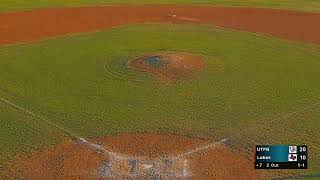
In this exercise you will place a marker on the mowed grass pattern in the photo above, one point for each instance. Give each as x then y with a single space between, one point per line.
302 5
268 91
21 133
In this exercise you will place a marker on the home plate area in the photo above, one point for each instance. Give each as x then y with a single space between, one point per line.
137 156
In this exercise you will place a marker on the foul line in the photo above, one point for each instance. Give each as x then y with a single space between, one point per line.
104 150
300 111
91 145
72 135
198 149
39 117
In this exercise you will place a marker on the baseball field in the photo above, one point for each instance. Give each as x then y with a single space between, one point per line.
180 89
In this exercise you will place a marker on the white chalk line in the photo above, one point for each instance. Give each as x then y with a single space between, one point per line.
199 149
72 135
102 149
299 111
105 150
98 148
184 173
38 117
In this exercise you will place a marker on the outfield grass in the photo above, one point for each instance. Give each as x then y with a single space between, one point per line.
267 93
303 5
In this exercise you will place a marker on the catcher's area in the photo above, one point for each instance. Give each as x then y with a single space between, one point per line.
137 156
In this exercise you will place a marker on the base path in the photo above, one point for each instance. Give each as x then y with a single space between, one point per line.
137 156
42 23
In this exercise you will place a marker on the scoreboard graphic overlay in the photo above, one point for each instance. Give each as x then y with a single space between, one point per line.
281 157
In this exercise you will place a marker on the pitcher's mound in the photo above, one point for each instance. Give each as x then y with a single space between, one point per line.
136 156
169 65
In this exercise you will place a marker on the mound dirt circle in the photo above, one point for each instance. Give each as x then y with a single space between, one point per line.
169 65
136 156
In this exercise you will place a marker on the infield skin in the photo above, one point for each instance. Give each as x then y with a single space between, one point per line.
147 155
43 23
137 156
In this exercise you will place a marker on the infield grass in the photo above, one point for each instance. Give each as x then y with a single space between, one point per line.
302 5
268 91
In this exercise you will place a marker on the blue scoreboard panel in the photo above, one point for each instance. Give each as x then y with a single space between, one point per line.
281 157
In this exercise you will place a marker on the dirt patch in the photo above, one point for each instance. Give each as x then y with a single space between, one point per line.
42 23
136 156
169 65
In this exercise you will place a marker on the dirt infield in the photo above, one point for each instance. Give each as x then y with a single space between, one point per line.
169 65
42 23
136 156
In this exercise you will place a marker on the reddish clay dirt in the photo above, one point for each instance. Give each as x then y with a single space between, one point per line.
169 65
137 156
42 23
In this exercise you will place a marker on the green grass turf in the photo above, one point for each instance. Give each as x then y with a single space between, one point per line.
304 5
22 133
267 93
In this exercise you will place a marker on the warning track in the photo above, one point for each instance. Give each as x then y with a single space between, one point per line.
43 23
